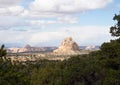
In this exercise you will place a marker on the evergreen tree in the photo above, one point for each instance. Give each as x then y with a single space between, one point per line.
115 30
3 52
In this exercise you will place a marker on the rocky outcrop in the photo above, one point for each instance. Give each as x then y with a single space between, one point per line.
28 48
68 46
12 50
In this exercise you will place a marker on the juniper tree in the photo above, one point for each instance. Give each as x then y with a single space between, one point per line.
115 30
2 51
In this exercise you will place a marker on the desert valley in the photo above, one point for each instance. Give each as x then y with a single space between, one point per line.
66 49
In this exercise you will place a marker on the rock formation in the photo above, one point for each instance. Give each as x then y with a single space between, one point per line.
68 46
28 48
12 50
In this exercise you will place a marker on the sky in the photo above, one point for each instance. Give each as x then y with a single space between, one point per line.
47 22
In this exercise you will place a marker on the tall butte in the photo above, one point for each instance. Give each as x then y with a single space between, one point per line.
68 46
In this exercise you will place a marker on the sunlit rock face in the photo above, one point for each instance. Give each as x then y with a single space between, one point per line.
68 46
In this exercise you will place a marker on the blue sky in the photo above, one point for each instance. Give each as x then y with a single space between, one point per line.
48 22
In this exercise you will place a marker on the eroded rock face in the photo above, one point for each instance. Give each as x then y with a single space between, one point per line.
68 46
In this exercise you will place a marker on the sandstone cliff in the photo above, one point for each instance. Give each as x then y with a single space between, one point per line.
68 46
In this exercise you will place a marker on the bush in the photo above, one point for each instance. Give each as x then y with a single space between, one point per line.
3 52
111 49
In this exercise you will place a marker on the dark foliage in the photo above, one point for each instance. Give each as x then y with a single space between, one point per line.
115 30
2 51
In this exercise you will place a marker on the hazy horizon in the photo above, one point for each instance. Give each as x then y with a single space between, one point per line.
47 22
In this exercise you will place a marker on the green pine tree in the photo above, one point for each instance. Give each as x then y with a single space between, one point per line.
3 52
115 30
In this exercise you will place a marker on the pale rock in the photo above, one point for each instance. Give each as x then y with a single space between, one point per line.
68 46
27 48
92 47
12 50
22 50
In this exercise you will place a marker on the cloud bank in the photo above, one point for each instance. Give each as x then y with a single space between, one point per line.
55 14
84 35
67 6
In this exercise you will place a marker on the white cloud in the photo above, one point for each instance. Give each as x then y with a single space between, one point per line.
11 11
12 21
67 6
45 37
83 35
59 20
7 3
37 14
63 12
16 10
10 7
67 19
89 34
28 37
50 8
10 36
57 8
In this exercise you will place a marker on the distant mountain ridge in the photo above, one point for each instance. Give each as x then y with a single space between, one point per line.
28 48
